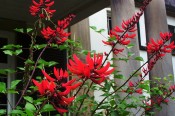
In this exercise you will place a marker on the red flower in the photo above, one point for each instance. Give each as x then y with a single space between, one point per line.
36 8
48 33
139 91
57 89
160 46
131 84
45 87
58 34
92 69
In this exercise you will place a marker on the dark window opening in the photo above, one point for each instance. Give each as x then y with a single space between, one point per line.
172 30
3 58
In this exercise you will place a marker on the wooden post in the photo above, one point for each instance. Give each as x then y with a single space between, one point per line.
81 31
123 10
156 22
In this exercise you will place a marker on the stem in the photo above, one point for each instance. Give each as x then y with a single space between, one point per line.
137 111
30 78
84 99
80 87
41 107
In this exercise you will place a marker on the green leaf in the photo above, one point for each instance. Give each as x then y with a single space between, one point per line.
42 63
8 52
41 46
6 71
11 46
130 46
124 59
100 31
29 99
21 68
14 83
93 27
81 97
39 101
119 76
29 30
130 54
21 30
28 61
48 108
52 63
29 112
12 91
138 58
2 87
17 112
3 111
12 49
30 107
17 52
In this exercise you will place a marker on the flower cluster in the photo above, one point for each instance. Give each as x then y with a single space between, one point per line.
123 35
57 89
158 49
92 69
58 34
131 88
154 102
38 9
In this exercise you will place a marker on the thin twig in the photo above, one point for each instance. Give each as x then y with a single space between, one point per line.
84 99
32 74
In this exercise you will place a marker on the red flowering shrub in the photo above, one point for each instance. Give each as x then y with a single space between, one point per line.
56 90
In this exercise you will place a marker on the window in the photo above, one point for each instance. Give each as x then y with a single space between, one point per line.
172 30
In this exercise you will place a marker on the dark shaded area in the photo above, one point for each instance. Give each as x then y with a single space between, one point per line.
3 58
49 55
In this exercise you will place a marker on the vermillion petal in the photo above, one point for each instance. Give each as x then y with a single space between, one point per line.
47 76
98 81
36 82
86 71
131 84
76 85
68 83
52 86
56 73
118 29
50 4
68 100
35 3
65 74
109 71
103 69
107 43
66 92
61 72
125 42
89 61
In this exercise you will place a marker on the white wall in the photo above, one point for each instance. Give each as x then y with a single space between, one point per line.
99 20
171 21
